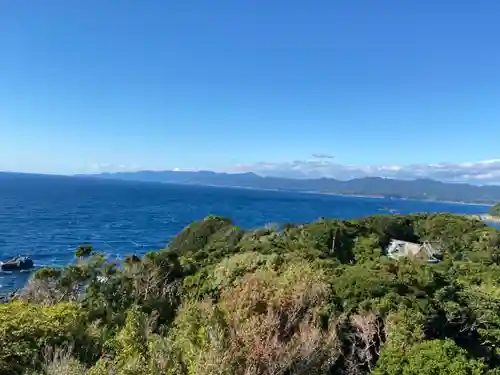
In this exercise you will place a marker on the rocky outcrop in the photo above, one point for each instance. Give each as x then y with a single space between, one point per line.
17 264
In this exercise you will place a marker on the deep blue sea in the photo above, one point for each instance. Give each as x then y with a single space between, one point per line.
46 217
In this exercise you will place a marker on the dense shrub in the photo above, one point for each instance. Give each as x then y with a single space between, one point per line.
434 357
268 323
318 298
26 329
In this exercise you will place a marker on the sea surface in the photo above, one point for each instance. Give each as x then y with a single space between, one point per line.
47 217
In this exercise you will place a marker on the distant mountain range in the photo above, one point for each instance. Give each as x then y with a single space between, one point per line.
368 186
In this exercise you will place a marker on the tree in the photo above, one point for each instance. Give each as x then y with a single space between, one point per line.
435 357
83 251
318 298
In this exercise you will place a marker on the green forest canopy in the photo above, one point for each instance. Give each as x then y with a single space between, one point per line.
318 298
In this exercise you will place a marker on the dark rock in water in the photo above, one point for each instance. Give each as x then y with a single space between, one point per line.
17 264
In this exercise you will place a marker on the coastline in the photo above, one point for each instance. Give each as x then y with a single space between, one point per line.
97 177
328 193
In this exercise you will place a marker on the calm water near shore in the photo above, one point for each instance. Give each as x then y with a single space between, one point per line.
47 217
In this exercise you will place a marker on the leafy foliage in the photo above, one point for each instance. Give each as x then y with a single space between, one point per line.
28 328
83 251
318 298
433 357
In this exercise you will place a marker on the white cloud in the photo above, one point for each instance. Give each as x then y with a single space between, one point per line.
320 155
480 172
108 167
100 166
324 165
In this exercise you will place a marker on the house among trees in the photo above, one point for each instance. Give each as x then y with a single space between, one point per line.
398 249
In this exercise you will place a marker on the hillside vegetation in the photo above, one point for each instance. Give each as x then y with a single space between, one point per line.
495 210
319 298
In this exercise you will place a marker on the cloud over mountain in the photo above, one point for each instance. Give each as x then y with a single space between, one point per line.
480 172
320 155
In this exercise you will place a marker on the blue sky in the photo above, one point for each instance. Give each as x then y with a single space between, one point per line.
88 85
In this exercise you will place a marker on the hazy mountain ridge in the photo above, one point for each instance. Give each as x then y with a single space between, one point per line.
370 186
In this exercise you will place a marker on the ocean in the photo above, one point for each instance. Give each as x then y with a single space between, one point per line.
47 217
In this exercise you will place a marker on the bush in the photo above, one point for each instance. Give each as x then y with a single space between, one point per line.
26 329
436 357
83 251
319 298
269 323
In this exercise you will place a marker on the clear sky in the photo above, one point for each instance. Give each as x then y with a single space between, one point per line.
89 85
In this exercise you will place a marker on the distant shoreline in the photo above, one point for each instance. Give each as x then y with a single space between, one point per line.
367 187
321 193
412 199
238 186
